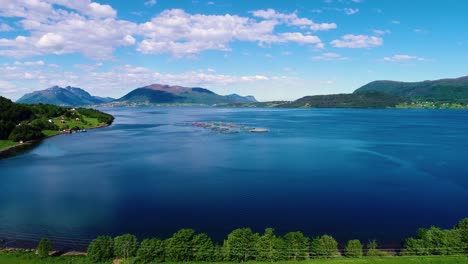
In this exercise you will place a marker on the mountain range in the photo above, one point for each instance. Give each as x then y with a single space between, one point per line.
66 96
148 95
377 94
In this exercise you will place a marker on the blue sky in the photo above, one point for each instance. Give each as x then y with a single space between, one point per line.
274 50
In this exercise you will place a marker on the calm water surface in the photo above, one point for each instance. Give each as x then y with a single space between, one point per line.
350 173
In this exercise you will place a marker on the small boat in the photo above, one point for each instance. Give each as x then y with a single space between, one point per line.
258 130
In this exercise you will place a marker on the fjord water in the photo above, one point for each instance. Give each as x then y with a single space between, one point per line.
367 174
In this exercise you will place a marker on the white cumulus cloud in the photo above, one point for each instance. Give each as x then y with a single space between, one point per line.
292 19
98 10
350 11
93 30
5 27
357 41
65 26
323 26
299 38
329 57
51 40
150 3
381 32
182 34
31 63
400 58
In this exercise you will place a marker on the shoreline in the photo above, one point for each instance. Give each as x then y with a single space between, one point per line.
12 151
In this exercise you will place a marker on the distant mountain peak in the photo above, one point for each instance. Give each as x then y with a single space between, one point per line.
242 99
63 96
175 94
55 87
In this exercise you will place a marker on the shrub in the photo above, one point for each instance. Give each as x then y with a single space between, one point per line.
44 247
353 249
373 251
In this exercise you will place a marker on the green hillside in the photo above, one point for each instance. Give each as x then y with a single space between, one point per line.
444 90
20 122
370 99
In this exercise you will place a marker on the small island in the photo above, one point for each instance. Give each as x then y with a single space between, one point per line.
23 125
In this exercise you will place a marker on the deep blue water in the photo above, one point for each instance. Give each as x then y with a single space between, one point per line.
367 174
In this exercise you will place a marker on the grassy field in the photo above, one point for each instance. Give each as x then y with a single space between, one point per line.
71 122
49 133
30 258
7 143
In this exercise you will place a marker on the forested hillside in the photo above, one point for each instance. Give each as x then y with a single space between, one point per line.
444 90
20 122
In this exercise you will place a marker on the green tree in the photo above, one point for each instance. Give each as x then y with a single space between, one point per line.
102 117
25 132
179 246
44 247
218 254
414 247
240 245
101 249
353 249
296 246
125 246
15 113
203 248
269 246
435 241
151 250
454 242
43 124
462 228
5 129
440 242
324 247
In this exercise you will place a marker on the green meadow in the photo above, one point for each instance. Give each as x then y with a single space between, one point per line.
31 258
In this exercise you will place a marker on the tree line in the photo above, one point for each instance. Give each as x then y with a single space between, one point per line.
243 245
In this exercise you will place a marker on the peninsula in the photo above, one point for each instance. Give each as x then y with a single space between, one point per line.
21 125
